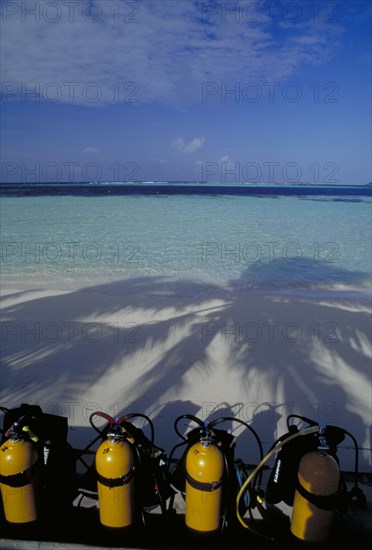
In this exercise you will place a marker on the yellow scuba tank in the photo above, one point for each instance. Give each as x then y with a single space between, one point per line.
18 474
314 499
208 475
114 463
204 478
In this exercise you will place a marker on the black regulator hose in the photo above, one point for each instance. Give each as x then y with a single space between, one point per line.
181 436
188 417
4 410
233 419
120 420
129 416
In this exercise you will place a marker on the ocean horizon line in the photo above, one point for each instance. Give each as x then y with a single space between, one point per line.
159 188
189 182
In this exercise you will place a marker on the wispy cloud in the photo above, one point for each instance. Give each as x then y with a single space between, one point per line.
149 52
193 146
224 158
90 150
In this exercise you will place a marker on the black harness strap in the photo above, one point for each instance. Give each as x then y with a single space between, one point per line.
21 479
208 487
116 482
323 502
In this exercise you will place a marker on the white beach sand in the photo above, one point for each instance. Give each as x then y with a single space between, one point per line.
165 348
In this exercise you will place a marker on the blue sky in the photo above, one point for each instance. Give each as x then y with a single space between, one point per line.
234 91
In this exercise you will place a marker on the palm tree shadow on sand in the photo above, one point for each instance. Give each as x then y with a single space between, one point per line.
169 347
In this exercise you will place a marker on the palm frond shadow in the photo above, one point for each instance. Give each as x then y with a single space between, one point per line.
155 344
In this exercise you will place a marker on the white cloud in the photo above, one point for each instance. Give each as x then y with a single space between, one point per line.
193 146
149 52
224 158
90 150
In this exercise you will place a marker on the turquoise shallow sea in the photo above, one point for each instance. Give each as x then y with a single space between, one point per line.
260 241
173 300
